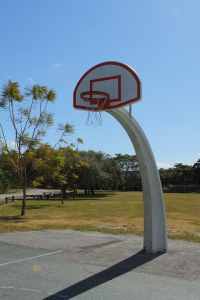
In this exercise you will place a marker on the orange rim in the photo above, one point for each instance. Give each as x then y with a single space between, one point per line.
89 97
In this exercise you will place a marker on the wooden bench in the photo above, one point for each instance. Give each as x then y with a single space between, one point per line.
57 195
47 195
13 198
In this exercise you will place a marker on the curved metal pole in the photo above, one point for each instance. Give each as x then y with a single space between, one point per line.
155 235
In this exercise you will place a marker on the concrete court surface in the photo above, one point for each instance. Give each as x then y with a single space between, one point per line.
67 264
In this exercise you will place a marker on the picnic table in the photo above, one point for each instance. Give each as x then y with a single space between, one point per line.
13 198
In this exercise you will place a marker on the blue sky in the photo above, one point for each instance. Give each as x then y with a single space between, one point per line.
54 42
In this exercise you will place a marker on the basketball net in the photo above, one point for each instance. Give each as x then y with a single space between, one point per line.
95 102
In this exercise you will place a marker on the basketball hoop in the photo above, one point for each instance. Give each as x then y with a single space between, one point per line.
96 101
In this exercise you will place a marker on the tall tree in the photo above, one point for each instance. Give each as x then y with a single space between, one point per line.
73 167
93 177
183 173
30 123
102 173
196 170
8 175
130 167
115 179
167 177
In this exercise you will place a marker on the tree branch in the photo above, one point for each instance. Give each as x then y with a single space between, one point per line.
5 141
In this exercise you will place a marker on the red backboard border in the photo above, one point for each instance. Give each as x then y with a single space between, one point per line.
129 69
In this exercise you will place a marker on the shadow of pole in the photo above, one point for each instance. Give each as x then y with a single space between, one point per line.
102 277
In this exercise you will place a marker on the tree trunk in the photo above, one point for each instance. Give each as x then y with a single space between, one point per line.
24 200
61 190
24 191
74 192
64 192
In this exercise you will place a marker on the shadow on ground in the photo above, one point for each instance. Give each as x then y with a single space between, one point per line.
29 207
16 218
78 197
102 277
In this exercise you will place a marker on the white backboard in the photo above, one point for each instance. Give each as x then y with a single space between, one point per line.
118 80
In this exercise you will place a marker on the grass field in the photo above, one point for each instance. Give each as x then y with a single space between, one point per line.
118 213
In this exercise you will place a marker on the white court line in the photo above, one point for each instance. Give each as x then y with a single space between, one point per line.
32 290
16 288
16 261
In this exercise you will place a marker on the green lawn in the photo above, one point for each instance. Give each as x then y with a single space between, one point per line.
120 212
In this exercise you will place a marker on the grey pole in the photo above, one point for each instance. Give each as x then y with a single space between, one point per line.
155 234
